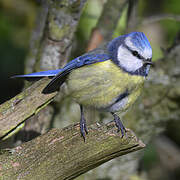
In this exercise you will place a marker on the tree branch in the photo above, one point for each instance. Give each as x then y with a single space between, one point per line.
63 153
159 17
15 111
132 18
107 22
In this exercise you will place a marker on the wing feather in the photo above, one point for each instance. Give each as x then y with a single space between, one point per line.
86 59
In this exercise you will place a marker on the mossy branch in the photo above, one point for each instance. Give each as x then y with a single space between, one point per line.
15 111
62 154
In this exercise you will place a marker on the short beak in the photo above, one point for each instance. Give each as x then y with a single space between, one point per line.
147 62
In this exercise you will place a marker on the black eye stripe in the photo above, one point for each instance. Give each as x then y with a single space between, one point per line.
134 53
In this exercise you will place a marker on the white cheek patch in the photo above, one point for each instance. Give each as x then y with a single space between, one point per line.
146 52
127 60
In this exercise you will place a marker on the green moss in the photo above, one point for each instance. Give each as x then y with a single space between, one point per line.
57 30
43 106
9 104
17 129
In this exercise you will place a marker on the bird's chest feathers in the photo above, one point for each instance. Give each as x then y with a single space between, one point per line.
101 83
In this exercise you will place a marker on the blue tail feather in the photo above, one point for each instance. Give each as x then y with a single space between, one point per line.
50 73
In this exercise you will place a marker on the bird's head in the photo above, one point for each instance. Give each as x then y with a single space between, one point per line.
132 52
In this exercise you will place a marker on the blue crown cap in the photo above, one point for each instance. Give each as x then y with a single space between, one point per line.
139 40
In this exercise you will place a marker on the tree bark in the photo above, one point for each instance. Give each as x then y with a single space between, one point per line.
62 154
14 112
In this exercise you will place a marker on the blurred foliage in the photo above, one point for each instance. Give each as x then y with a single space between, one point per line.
121 26
150 157
168 28
89 18
16 23
173 131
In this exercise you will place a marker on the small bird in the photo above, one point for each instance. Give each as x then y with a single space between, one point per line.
109 78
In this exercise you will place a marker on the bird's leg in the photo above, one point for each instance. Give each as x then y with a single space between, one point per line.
119 124
83 128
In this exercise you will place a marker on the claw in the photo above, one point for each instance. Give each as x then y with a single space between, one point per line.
119 124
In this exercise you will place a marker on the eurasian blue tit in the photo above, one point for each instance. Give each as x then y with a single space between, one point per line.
109 78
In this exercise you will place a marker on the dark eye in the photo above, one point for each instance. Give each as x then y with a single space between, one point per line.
135 53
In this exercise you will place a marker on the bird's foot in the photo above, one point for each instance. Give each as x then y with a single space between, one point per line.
119 124
83 128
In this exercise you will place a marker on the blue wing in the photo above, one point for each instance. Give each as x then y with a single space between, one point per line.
59 75
78 62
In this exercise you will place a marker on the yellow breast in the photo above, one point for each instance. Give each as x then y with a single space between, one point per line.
99 84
